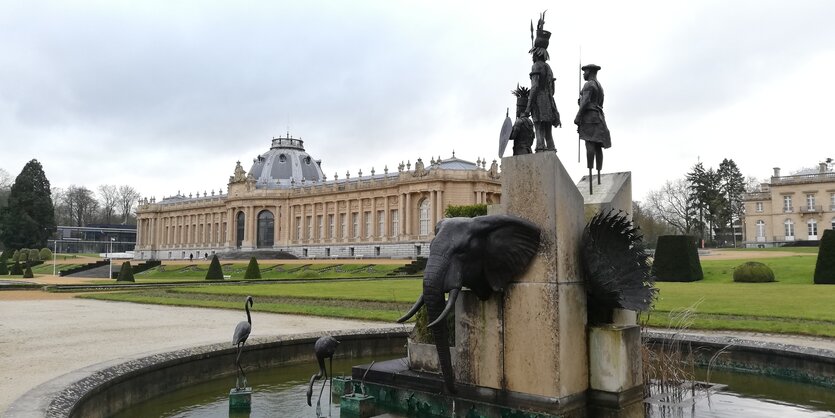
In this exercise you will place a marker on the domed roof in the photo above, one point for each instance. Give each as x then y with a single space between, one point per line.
285 164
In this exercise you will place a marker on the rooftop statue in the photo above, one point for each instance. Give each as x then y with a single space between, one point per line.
541 106
591 122
240 174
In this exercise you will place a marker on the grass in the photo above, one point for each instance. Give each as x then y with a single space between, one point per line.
323 306
791 305
799 250
270 271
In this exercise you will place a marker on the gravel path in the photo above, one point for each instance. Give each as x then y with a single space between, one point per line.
41 339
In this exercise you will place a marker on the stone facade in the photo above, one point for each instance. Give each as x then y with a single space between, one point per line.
790 208
392 214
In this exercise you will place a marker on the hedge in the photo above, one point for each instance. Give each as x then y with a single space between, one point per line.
28 273
753 272
17 269
215 271
676 259
252 270
465 211
45 254
825 266
125 273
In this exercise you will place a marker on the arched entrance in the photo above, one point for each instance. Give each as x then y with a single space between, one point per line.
266 229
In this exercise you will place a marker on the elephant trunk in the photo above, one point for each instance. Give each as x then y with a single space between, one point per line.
433 295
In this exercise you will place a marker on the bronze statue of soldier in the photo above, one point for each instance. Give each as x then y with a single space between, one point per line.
541 106
591 122
522 134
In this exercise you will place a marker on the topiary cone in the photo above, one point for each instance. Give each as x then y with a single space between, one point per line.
252 270
215 271
28 273
125 273
825 266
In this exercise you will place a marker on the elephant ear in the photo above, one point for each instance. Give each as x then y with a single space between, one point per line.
510 243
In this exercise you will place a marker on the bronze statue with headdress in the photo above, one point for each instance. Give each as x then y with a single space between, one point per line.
541 105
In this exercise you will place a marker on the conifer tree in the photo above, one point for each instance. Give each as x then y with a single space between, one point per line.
252 270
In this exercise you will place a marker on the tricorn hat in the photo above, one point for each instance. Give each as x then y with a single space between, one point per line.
591 67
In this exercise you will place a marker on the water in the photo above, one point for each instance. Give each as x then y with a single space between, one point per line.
281 392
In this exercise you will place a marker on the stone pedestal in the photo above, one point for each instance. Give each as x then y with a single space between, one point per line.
532 339
240 398
613 192
615 365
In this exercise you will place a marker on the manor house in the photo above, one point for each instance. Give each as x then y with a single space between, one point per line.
285 202
791 208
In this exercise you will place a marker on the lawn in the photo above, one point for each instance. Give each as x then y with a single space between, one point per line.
791 305
382 300
175 272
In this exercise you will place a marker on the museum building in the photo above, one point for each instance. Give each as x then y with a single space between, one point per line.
791 208
285 202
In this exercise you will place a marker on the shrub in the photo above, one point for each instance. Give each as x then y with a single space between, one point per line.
45 254
7 254
676 259
16 256
465 211
17 269
4 268
28 273
308 274
753 272
215 271
825 266
125 273
34 255
252 270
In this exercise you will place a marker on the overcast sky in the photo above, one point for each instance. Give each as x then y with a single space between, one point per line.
167 95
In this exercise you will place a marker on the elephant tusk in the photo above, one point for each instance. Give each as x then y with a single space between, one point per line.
453 294
413 311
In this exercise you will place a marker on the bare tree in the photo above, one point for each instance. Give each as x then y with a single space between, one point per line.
127 199
671 204
80 204
6 181
109 198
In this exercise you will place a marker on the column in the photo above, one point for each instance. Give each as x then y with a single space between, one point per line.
230 217
374 232
386 228
433 210
408 214
440 205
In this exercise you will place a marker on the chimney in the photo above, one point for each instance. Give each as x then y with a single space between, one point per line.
776 172
822 167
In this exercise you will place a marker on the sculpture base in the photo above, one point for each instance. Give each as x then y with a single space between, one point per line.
240 398
356 405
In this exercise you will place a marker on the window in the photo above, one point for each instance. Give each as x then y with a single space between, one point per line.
377 251
833 224
328 250
343 222
787 203
832 201
239 229
298 228
395 223
355 221
381 223
266 229
810 202
812 227
789 229
368 230
309 221
330 227
320 221
424 217
760 229
759 206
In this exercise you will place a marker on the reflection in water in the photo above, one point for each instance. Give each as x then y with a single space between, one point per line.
281 392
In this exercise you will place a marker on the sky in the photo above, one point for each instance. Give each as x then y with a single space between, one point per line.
167 95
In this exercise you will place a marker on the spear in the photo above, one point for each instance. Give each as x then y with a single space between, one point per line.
580 90
531 33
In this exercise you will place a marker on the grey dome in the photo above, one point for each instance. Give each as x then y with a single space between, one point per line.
285 164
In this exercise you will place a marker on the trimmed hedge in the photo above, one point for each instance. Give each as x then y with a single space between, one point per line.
753 272
16 269
34 255
45 254
125 273
16 256
825 266
465 211
252 270
28 273
4 268
676 259
215 270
